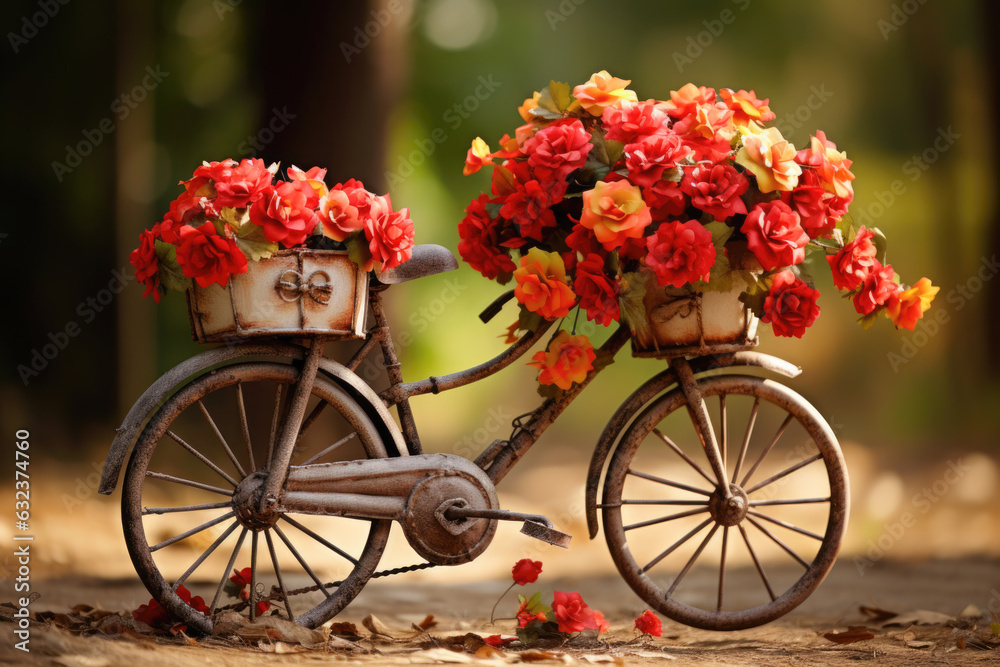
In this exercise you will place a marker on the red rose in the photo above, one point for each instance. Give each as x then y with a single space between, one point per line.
877 288
208 257
339 217
146 264
665 200
390 238
774 235
183 210
524 616
557 150
680 253
852 263
526 571
480 244
528 205
648 624
716 189
284 213
629 121
227 184
790 306
648 157
572 613
598 295
582 240
314 179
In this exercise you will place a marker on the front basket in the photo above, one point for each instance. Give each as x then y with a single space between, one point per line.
297 293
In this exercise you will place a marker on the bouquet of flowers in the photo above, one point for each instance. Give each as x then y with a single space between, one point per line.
596 190
233 213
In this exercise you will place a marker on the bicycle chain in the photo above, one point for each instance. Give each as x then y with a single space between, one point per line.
277 596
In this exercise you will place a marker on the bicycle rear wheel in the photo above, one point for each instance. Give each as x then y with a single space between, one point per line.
664 509
189 508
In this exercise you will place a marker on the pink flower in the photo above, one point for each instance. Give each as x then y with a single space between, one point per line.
558 149
573 614
390 238
680 253
314 179
716 190
651 155
774 235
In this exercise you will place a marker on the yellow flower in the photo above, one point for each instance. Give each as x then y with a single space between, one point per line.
769 157
477 157
603 90
905 308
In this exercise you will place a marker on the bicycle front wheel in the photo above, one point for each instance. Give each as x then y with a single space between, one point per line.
187 511
674 535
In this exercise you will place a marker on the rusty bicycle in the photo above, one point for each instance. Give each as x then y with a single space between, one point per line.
265 453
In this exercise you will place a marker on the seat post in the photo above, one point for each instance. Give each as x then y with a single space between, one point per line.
393 369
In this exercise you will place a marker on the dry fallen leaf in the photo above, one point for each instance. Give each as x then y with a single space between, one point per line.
277 629
345 630
440 655
919 644
376 626
487 651
855 633
960 642
427 623
919 617
876 615
536 655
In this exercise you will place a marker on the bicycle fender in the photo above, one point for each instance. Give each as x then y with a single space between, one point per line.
650 390
174 379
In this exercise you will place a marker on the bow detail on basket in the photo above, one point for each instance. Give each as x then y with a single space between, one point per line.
292 285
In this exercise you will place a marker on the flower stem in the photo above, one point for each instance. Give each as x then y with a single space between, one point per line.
493 611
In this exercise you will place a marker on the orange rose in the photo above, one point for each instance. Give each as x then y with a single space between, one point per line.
529 104
746 106
603 90
568 359
683 102
541 284
905 308
831 166
477 157
769 157
615 212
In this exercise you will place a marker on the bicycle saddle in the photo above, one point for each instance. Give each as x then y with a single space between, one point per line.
428 259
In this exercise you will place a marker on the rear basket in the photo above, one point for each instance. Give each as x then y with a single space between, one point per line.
296 293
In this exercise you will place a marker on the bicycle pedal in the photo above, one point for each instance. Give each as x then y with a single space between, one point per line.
546 534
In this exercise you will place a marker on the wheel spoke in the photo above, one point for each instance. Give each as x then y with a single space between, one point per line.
660 480
227 571
222 439
789 501
274 424
691 561
653 502
784 473
205 554
302 562
756 562
723 429
746 439
313 416
676 544
329 449
244 425
253 576
321 540
779 542
188 533
184 508
201 457
785 524
671 517
763 454
188 482
684 456
722 567
277 574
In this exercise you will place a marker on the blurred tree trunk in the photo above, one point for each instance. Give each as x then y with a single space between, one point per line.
990 19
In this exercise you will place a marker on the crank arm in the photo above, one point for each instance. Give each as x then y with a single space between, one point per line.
535 525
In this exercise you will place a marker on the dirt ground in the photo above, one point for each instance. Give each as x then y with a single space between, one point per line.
914 637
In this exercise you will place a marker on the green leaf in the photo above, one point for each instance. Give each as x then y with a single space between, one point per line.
535 604
548 391
527 320
630 303
251 240
995 628
357 250
603 360
171 275
881 244
233 217
555 98
868 320
539 112
721 278
675 174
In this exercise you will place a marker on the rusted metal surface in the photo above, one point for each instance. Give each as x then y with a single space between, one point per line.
649 390
298 292
188 370
244 501
703 423
535 525
427 260
722 513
